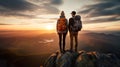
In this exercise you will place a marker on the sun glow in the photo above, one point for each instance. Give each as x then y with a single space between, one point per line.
49 27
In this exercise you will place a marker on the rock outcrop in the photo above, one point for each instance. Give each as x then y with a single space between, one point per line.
82 59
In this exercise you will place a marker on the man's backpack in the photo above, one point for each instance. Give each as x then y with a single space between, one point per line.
77 26
61 25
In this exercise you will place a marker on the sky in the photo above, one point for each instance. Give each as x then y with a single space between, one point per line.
97 15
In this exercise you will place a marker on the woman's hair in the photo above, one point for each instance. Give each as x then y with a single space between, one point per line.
62 15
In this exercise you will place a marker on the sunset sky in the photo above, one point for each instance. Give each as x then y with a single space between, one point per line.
96 15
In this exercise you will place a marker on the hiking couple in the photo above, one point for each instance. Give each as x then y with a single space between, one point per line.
74 26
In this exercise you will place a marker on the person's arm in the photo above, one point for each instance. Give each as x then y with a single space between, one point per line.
80 22
67 25
70 23
57 26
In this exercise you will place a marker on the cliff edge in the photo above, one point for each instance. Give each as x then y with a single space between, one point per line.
82 59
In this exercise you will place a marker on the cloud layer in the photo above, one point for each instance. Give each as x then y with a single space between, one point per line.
108 9
96 12
27 8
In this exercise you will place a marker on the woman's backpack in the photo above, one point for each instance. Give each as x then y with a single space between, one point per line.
61 25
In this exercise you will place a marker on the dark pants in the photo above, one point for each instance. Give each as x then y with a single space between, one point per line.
62 37
73 36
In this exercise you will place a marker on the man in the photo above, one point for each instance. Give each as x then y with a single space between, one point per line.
75 26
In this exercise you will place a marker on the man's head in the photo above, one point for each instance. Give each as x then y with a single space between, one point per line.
73 13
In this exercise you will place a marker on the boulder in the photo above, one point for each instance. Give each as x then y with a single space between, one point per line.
82 59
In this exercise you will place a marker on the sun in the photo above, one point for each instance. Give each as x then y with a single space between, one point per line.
49 27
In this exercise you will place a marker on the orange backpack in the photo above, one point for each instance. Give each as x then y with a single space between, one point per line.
61 26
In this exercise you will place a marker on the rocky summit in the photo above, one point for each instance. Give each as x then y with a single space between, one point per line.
82 59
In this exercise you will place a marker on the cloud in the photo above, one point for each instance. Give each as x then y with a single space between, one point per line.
46 41
16 5
26 8
53 18
101 19
50 9
102 8
4 24
56 2
15 14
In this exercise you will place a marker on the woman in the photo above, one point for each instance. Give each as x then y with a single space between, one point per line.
62 29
